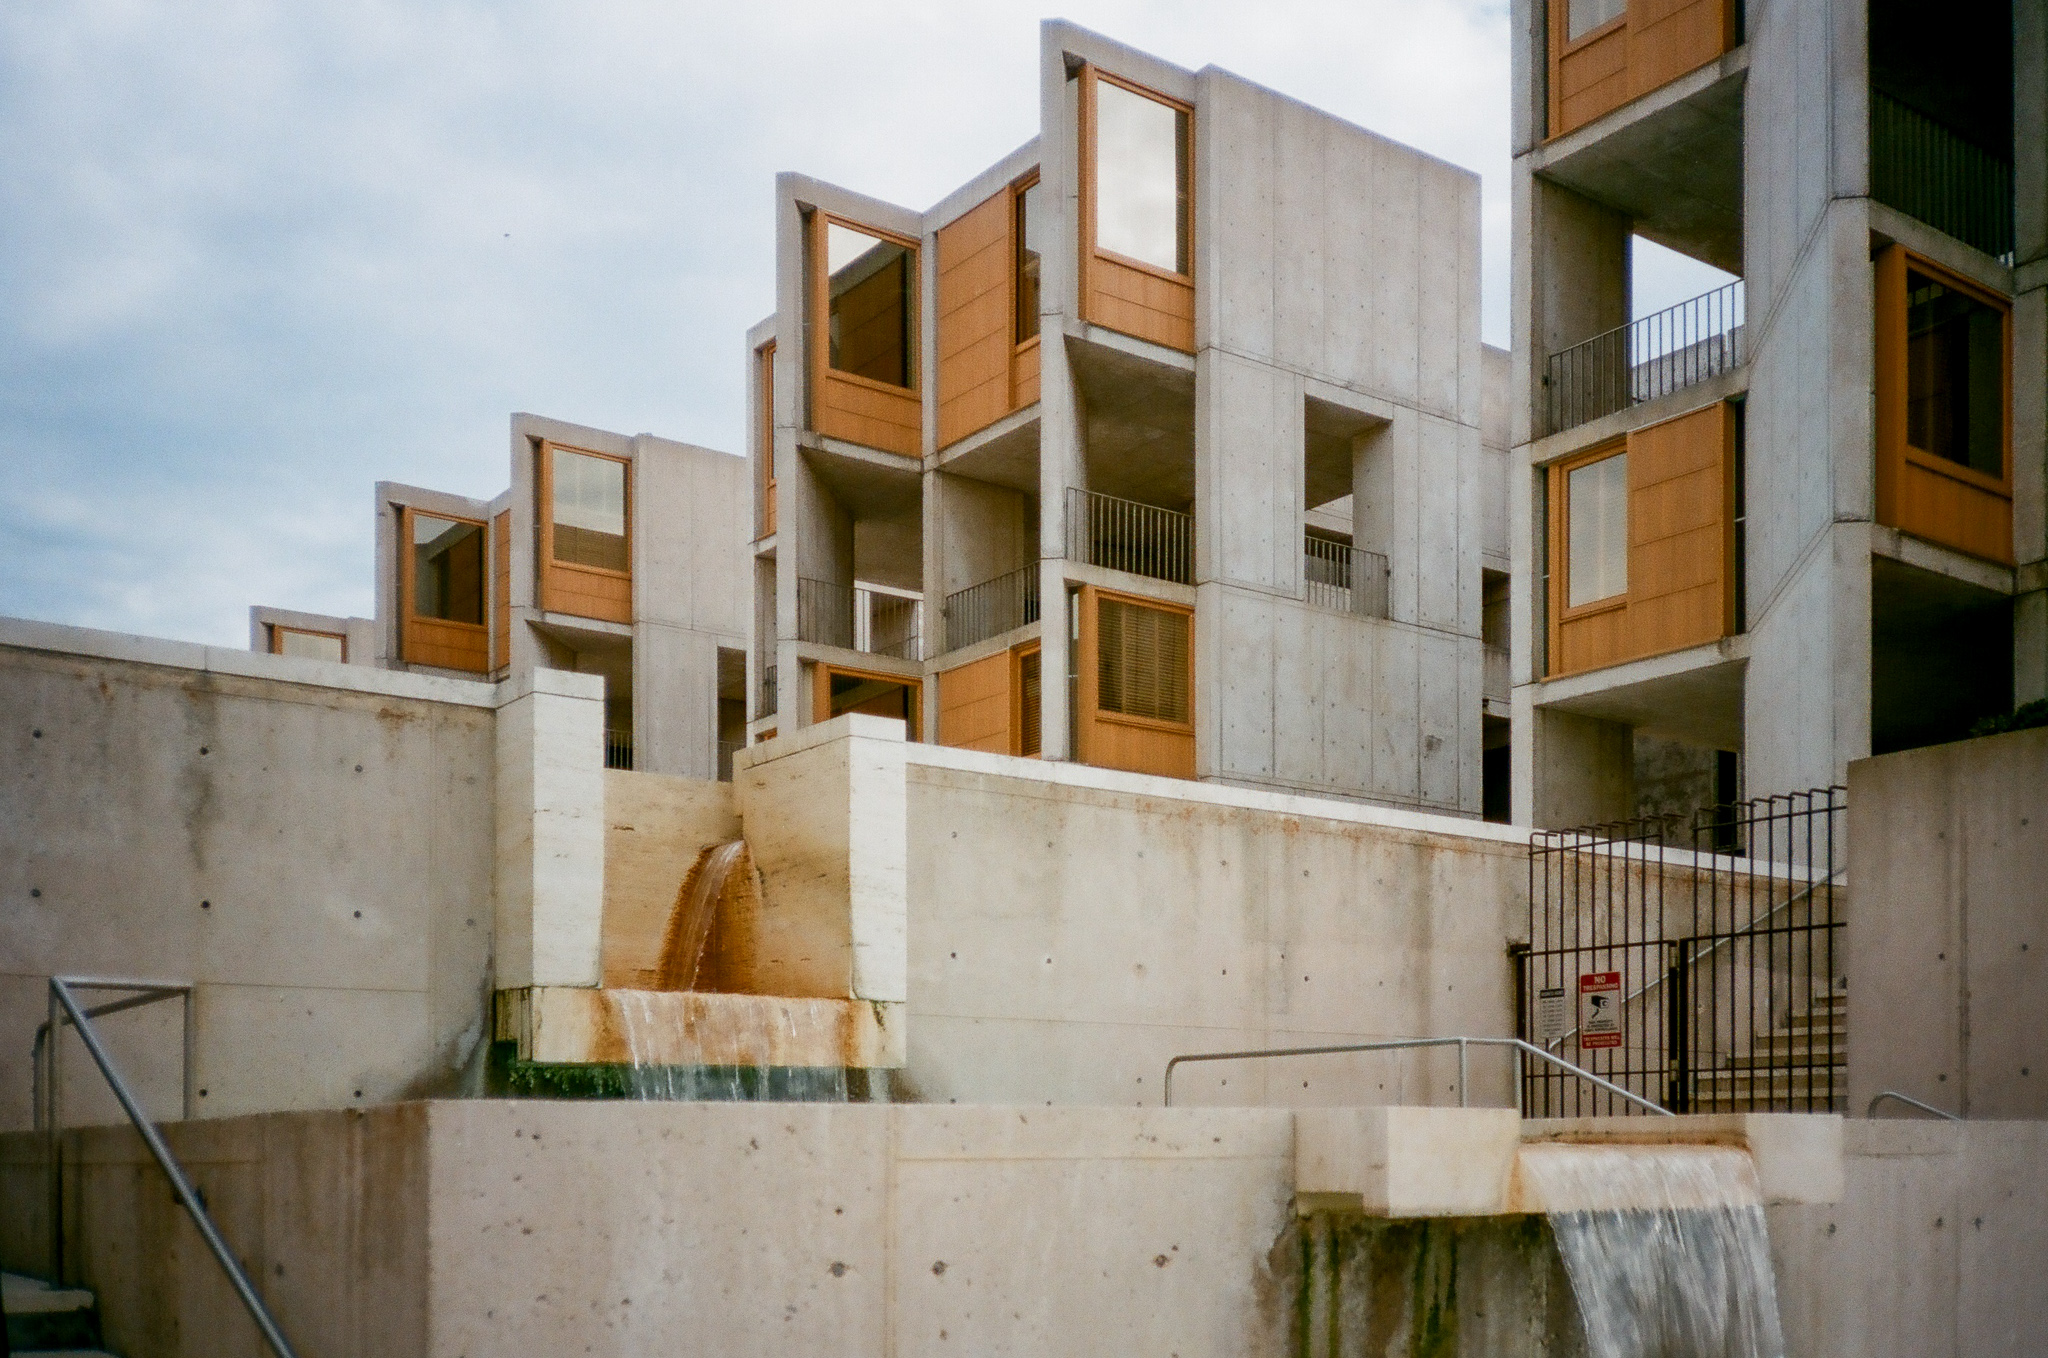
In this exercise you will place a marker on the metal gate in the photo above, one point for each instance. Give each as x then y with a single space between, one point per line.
1697 965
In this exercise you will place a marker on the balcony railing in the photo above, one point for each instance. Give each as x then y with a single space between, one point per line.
1124 535
1344 578
857 618
768 696
1676 348
1929 173
991 608
618 749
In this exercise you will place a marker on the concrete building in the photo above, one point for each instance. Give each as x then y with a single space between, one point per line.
1798 520
636 571
1156 446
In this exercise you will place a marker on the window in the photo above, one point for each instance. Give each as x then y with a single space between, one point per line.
869 291
1583 16
1029 694
590 510
764 360
1028 236
1955 376
447 569
1596 530
307 645
1141 178
1142 662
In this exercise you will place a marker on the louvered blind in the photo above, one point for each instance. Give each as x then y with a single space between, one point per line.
1027 685
1142 661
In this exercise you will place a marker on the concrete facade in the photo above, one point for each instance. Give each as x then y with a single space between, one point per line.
1334 386
1758 161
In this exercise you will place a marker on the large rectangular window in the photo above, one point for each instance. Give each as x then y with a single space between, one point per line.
589 509
1583 16
1596 531
870 291
1955 376
1142 166
448 569
1028 232
1142 661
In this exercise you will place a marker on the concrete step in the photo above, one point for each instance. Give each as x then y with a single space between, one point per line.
42 1319
1795 1049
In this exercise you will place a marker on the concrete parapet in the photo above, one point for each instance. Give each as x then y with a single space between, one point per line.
550 830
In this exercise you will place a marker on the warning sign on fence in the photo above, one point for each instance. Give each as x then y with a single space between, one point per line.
1553 1015
1599 1010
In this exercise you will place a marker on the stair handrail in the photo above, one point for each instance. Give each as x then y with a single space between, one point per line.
64 1007
1515 1044
1880 1097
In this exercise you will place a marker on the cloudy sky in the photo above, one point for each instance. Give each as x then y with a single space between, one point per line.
256 256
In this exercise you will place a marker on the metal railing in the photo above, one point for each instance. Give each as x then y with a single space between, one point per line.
618 748
991 608
1910 1101
1520 1049
64 1008
1931 174
1125 535
1675 348
859 618
769 697
1344 578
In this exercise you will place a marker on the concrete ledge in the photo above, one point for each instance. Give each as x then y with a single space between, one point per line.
1408 1162
1798 1155
577 1025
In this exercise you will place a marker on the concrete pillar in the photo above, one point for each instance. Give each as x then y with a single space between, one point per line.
1581 770
1249 438
550 830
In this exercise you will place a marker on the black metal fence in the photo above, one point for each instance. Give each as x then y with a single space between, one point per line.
1678 347
1928 172
1126 535
992 607
859 618
1696 965
1344 578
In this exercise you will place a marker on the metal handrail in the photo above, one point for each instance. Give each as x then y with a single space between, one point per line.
64 1007
1877 1099
1515 1044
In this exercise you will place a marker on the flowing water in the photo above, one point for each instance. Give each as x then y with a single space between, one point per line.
1665 1246
645 1023
689 926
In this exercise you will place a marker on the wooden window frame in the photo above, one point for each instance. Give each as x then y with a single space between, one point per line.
1090 251
764 370
544 499
408 583
1017 655
821 302
278 629
1021 349
1560 538
1091 658
1562 44
821 692
1893 449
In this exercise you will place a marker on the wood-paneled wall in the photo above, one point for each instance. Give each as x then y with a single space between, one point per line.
1652 44
580 591
1917 491
1680 547
1121 294
975 705
845 405
501 590
977 264
1111 739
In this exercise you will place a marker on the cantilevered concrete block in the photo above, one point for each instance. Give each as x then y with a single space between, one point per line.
1798 1155
550 831
1408 1162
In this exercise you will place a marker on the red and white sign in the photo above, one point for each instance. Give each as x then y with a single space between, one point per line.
1599 1010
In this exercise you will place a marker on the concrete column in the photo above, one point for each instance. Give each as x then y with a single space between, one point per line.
675 701
1249 441
550 830
1581 770
1061 464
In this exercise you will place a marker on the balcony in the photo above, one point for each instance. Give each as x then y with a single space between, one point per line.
1931 174
991 608
1494 683
618 748
1125 535
860 618
1343 578
768 698
1676 348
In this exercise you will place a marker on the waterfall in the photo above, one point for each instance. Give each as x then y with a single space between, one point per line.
696 909
748 1071
1665 1247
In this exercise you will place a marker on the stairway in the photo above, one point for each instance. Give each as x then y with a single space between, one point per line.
1802 1066
55 1322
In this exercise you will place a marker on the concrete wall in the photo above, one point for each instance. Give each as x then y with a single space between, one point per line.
1948 932
310 843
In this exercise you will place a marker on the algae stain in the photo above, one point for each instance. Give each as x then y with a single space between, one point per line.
1433 1331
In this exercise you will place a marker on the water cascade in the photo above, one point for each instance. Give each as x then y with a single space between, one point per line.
1665 1247
689 925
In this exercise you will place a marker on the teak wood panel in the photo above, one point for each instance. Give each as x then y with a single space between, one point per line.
843 405
1680 547
1121 294
580 591
1918 492
975 705
1650 45
1113 740
977 266
501 590
765 444
1024 374
435 642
